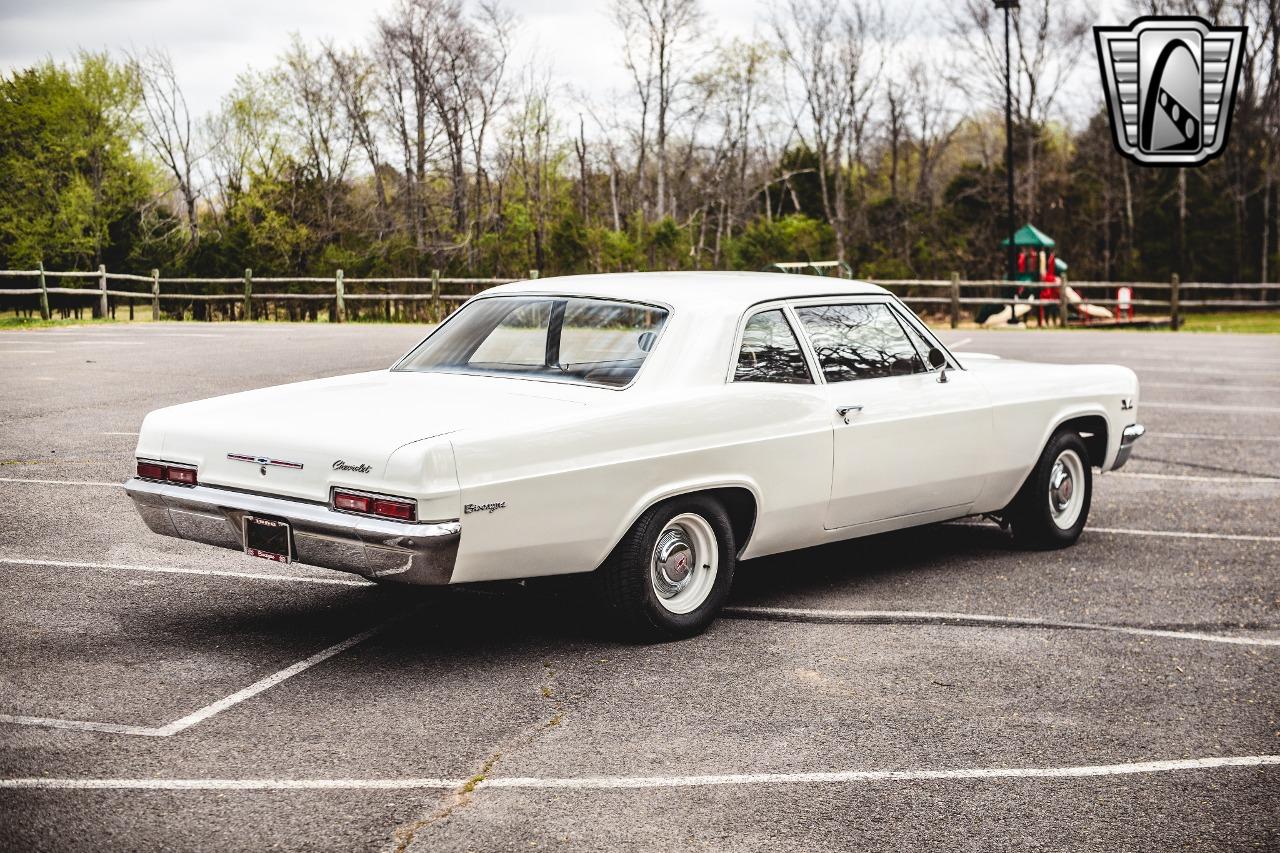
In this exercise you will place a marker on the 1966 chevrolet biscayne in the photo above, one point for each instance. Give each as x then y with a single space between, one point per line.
652 428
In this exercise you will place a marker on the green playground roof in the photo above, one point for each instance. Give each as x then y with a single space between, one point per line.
1029 235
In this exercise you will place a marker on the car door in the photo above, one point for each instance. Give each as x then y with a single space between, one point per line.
905 442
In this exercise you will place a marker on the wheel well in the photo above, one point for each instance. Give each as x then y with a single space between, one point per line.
741 506
1093 429
739 503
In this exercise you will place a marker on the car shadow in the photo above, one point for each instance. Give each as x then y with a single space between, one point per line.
853 562
538 611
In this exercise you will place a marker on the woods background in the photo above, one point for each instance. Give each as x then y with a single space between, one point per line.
836 133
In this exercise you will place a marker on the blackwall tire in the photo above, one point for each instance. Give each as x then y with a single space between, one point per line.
669 576
1052 506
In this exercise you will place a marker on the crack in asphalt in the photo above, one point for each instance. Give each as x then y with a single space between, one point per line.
406 834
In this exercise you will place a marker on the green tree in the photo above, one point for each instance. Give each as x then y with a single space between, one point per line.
71 184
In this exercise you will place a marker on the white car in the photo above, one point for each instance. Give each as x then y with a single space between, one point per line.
652 428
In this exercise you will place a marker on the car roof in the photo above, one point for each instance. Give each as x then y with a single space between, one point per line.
727 291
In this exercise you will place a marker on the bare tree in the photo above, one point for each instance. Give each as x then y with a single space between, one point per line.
1048 38
734 89
318 123
171 133
830 50
442 73
245 139
656 37
354 76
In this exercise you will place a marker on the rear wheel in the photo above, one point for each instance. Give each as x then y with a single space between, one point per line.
671 572
1052 507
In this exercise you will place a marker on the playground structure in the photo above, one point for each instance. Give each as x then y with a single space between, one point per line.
1053 299
1039 290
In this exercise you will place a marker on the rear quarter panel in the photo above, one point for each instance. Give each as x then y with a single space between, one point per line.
571 490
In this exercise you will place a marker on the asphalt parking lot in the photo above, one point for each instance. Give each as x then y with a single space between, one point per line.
933 689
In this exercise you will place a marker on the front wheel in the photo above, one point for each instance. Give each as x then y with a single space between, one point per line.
671 572
1052 507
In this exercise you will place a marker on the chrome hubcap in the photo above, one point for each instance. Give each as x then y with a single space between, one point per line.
685 562
1060 486
1066 489
673 562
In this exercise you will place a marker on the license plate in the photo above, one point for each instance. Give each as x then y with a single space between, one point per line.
268 539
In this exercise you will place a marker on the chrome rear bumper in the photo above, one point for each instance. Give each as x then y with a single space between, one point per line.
1128 438
372 547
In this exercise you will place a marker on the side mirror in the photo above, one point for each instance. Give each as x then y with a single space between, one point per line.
937 359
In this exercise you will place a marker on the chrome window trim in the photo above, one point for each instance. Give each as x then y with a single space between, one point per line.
552 294
862 299
910 317
815 377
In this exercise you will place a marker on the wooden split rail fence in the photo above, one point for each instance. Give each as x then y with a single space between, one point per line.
1171 299
436 295
437 292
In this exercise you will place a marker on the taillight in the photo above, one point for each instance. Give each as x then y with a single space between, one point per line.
350 502
183 475
400 510
150 470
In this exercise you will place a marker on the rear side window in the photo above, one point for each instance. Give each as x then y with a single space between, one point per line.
859 341
770 352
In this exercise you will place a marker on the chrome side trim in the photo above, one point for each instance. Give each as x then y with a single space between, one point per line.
415 553
1128 438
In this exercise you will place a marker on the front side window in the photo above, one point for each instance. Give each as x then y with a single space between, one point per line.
572 339
859 341
770 352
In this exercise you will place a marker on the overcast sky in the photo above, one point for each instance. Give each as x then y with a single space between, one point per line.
212 42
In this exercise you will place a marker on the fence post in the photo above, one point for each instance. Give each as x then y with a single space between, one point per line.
44 295
246 312
155 294
435 296
102 288
955 299
339 304
1174 281
533 273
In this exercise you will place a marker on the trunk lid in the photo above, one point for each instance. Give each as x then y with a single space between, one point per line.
343 430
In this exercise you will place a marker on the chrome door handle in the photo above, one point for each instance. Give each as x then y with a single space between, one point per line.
847 411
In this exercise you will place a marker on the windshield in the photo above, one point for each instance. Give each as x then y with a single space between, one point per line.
566 338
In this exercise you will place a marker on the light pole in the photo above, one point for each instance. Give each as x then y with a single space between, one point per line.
1012 255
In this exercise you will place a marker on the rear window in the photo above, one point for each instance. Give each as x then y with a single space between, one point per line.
570 339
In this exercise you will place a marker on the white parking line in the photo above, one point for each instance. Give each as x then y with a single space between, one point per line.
925 617
1208 407
117 433
959 343
1184 534
210 710
1211 386
176 570
1189 478
1136 531
1209 436
199 716
26 351
615 782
